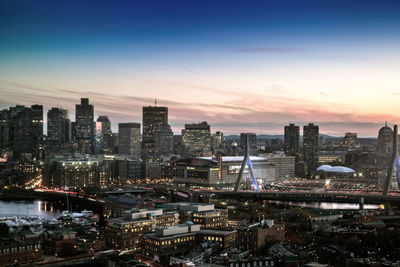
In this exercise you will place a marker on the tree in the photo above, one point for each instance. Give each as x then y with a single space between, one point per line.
4 231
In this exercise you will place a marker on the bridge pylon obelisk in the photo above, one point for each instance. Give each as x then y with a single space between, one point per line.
243 166
394 162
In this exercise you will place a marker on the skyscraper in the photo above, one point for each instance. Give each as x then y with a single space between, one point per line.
152 118
292 140
105 124
350 140
102 129
164 141
25 129
311 147
385 140
196 138
4 128
84 126
217 140
129 139
58 126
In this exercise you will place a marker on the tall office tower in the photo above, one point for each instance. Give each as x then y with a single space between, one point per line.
25 128
84 126
196 138
102 129
292 140
310 147
350 140
37 121
252 140
217 140
164 141
129 139
4 128
105 124
385 140
152 118
58 126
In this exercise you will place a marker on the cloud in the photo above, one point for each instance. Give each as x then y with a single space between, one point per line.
244 111
269 50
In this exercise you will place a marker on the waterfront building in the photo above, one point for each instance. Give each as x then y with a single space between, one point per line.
74 172
14 253
221 172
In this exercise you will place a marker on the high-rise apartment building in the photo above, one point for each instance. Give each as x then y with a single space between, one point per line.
311 147
129 139
292 140
164 141
84 126
196 138
58 126
152 118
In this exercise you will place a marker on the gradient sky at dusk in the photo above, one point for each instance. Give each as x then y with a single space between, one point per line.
240 65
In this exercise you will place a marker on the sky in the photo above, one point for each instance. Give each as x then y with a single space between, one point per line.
242 66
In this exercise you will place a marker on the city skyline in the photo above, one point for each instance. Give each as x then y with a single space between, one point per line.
252 68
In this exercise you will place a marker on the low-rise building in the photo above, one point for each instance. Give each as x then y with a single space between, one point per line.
125 232
169 241
14 252
199 213
221 172
257 236
61 242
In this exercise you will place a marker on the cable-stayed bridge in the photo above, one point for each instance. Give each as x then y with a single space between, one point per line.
374 178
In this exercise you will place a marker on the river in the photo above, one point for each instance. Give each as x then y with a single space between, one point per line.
38 208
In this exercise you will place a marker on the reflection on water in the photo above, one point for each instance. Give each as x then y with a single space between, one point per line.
326 205
38 208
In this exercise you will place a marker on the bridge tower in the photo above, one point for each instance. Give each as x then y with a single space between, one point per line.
393 175
246 162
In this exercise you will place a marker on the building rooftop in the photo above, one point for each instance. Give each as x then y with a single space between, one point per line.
235 159
215 232
339 169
